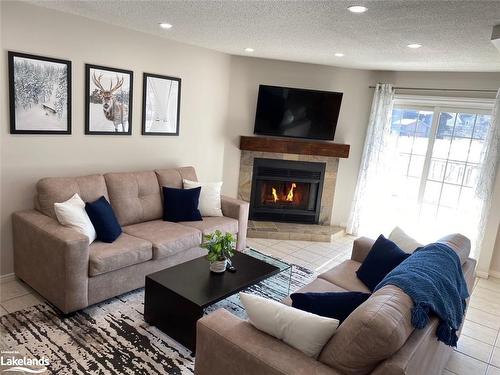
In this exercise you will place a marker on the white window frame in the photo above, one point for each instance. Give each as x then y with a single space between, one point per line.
438 104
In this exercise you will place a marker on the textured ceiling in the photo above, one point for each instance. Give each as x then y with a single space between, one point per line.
455 34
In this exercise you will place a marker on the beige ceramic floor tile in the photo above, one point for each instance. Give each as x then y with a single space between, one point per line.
493 370
19 303
461 364
474 348
485 304
479 332
447 372
495 358
12 289
285 248
484 318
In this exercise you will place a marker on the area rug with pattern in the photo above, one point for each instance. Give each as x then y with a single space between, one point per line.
112 337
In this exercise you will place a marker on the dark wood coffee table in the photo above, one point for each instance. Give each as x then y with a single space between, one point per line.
175 297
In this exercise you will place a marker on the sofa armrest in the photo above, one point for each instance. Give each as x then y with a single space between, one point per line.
227 345
237 209
52 259
360 248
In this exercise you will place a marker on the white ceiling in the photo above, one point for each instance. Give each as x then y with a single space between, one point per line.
455 34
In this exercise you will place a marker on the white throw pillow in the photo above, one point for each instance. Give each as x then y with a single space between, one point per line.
210 201
300 329
404 242
72 214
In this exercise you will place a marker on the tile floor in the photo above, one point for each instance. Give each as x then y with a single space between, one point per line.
478 350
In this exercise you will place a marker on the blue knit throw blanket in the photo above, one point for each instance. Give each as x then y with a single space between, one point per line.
432 277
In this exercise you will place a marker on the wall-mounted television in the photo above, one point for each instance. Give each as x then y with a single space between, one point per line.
298 113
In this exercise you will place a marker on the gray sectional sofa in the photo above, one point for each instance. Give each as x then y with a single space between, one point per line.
377 338
58 262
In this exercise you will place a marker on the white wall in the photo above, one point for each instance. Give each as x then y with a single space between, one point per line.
210 123
248 73
25 159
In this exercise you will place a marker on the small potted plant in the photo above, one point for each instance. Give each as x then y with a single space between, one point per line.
220 248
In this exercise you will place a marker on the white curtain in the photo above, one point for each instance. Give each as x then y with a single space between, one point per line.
487 176
374 174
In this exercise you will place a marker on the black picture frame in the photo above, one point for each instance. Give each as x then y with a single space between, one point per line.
144 103
12 93
88 130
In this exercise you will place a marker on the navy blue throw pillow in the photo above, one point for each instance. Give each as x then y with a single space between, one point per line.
104 220
181 204
336 305
383 257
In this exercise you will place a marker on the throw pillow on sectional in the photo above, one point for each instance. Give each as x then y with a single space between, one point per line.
335 305
181 204
104 220
383 257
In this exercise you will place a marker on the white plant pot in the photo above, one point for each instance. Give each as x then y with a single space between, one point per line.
218 266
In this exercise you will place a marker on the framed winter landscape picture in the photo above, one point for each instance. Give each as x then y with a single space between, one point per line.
161 102
108 100
40 94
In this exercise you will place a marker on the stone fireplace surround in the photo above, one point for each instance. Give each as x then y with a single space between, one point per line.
297 150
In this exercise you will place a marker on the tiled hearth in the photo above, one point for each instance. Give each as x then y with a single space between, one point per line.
292 231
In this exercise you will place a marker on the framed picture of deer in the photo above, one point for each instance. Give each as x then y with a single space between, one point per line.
108 100
161 103
40 94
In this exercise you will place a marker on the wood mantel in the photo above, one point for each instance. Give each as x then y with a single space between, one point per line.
294 146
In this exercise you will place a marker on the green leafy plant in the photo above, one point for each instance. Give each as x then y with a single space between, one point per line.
220 246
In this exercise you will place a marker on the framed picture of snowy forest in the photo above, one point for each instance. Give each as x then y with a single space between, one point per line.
161 102
40 94
108 100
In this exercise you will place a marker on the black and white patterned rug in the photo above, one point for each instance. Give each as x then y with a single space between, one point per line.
112 337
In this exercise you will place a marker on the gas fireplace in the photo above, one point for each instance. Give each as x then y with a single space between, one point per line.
286 190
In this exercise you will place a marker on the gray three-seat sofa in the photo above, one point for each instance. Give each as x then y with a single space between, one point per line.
58 262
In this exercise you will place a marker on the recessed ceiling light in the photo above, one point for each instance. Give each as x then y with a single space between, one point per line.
414 45
339 54
249 49
357 9
165 25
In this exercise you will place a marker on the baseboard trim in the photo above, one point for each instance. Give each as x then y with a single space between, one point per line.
482 274
8 277
495 274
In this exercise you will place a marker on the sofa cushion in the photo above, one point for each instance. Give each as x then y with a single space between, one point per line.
302 330
173 177
135 196
336 305
317 285
212 223
384 256
459 243
125 251
52 190
373 332
344 275
103 219
167 238
404 242
181 204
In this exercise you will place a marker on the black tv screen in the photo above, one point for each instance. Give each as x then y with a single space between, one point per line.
299 113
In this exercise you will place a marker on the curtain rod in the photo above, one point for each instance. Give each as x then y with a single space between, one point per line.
429 89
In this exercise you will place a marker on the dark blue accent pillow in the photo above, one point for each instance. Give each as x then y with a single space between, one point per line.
181 204
104 220
336 305
383 257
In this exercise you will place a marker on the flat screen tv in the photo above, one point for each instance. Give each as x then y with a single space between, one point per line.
298 113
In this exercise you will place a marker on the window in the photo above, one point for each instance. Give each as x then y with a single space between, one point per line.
439 148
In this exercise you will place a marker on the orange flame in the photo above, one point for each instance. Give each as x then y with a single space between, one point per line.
275 195
289 197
